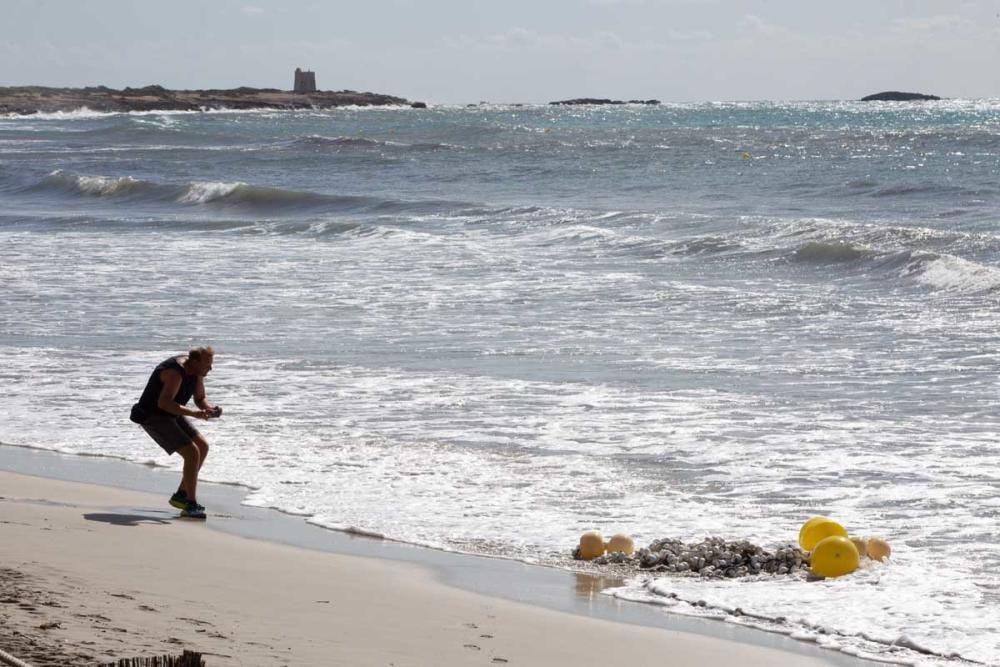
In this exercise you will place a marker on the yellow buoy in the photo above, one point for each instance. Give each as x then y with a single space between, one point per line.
834 556
809 522
622 543
878 549
591 545
812 534
861 544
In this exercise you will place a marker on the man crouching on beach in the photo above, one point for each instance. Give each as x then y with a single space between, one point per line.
161 413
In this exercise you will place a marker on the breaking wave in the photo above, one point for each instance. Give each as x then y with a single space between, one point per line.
208 192
827 253
244 197
878 646
261 199
75 114
922 257
317 142
97 186
910 189
953 274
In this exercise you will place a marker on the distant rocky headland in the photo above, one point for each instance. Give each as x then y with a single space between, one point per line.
35 99
896 96
595 100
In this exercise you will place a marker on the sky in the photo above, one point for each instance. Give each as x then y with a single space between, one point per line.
463 51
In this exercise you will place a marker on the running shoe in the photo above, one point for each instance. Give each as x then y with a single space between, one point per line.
193 511
179 500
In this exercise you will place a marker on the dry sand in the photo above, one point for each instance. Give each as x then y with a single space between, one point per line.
91 574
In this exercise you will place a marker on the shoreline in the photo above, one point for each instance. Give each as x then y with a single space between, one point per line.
544 590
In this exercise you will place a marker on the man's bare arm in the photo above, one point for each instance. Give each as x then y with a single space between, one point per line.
199 396
171 383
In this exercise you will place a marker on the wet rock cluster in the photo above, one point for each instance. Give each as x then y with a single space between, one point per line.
713 557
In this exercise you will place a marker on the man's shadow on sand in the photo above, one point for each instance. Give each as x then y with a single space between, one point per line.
125 519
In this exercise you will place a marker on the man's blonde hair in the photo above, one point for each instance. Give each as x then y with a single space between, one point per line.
197 353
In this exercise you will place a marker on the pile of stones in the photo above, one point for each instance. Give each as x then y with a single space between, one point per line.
713 557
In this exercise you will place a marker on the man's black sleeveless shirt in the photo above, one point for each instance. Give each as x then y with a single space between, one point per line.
151 394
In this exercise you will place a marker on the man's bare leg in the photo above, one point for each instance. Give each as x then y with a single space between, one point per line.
202 445
192 464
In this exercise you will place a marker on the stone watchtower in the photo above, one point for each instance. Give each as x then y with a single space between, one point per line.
305 82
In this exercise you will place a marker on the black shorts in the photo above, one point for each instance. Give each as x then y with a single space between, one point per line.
170 432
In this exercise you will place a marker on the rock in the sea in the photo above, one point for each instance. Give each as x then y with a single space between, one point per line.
713 557
418 105
596 100
35 99
896 96
587 100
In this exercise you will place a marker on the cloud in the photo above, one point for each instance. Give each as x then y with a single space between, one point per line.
252 10
520 39
674 35
759 28
947 24
516 38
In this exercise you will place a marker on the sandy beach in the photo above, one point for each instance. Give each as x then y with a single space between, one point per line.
92 573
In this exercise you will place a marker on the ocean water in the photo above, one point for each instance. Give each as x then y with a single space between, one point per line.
492 328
